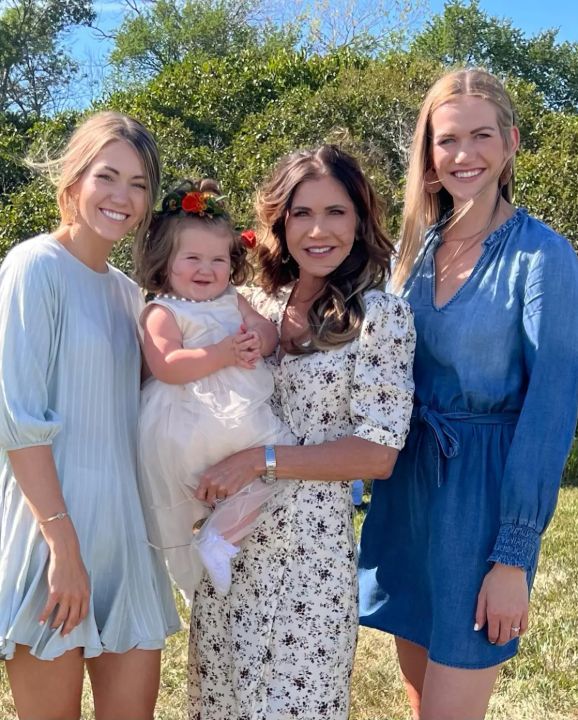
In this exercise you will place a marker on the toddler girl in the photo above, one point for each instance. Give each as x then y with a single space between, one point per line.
209 393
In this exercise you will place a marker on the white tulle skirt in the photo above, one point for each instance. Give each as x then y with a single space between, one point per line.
183 430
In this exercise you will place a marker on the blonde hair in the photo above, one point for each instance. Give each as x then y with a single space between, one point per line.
336 315
85 144
422 208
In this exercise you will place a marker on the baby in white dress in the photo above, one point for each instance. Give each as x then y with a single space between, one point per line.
209 391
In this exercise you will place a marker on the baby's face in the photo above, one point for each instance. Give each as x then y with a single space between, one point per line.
201 267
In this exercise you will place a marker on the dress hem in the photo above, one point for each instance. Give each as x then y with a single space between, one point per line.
89 652
438 660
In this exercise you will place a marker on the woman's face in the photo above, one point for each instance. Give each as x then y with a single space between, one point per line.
111 196
468 150
320 226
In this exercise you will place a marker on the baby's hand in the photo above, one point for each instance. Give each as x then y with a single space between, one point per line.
241 349
257 345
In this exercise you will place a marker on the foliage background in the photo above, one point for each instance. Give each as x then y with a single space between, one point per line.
227 87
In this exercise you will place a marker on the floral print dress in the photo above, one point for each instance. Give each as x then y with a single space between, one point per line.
281 644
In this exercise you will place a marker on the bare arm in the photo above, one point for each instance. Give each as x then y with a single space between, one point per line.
175 365
265 329
345 459
68 584
379 427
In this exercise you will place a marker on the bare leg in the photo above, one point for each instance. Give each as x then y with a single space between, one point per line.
125 685
44 690
413 663
456 694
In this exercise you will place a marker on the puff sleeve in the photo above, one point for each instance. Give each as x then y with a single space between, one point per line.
382 387
29 337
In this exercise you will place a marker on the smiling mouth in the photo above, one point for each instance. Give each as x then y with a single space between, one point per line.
319 251
113 215
467 174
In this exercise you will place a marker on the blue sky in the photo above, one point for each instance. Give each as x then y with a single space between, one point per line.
530 16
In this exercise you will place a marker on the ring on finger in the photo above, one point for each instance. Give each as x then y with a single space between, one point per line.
515 629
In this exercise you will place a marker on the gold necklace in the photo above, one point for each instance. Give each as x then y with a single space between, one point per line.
444 270
483 232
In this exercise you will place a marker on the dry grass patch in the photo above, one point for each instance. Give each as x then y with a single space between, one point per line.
540 684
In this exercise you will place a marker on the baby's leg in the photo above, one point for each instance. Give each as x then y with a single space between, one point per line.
237 516
231 521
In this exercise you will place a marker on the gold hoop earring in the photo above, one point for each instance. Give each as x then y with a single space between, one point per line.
432 183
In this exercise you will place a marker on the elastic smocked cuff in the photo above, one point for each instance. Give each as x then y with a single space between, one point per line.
516 545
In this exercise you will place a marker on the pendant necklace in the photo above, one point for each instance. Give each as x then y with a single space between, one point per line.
461 250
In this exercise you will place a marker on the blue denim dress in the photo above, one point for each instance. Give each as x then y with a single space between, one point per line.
496 374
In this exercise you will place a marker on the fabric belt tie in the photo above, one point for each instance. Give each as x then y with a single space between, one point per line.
445 437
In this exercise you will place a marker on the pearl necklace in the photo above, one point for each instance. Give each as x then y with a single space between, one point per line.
184 299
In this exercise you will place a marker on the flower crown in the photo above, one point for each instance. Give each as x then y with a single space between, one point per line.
194 202
189 200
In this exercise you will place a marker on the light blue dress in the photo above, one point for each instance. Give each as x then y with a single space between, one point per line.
496 374
69 378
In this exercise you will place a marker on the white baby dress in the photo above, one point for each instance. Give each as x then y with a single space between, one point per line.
185 429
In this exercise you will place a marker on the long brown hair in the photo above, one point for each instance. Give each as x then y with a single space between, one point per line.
337 313
423 208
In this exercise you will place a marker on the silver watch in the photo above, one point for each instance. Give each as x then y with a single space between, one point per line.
270 476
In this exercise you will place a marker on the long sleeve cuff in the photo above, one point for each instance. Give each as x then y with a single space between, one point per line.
516 545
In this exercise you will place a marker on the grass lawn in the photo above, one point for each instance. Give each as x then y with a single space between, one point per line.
540 684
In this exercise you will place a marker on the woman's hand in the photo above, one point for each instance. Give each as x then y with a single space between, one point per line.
230 475
503 603
68 583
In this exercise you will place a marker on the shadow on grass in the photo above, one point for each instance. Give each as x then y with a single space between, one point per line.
569 481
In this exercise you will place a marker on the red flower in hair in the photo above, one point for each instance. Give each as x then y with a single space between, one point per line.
194 202
249 239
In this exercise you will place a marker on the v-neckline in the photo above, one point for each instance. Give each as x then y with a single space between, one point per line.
460 287
492 237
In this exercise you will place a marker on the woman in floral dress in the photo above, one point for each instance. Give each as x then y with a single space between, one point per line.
281 644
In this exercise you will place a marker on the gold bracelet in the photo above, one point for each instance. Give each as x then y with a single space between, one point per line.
58 516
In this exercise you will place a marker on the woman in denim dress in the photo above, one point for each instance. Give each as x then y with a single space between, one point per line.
450 545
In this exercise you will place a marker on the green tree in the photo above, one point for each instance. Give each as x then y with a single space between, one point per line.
547 178
465 35
165 32
35 70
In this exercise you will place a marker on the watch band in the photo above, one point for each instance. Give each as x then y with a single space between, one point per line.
270 476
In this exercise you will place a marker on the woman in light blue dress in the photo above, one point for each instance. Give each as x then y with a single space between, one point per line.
450 545
78 581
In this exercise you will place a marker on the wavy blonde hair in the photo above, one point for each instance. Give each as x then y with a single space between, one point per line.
336 315
422 208
84 145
